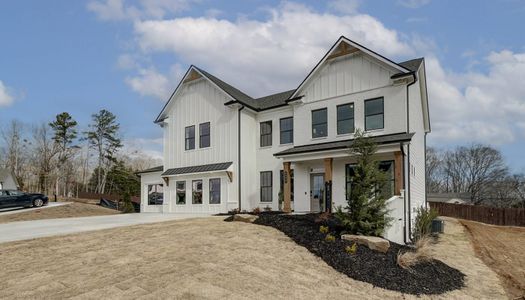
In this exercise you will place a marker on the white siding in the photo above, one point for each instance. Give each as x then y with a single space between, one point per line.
249 175
345 75
198 102
416 169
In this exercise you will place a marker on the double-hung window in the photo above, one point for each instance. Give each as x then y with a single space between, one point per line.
266 186
181 192
189 137
204 135
345 118
286 128
215 191
266 133
374 114
319 123
197 191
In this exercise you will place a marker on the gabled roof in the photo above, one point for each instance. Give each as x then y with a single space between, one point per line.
198 169
282 98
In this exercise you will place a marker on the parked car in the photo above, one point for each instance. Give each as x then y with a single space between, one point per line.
13 198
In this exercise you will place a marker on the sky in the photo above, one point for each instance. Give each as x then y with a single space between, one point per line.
128 57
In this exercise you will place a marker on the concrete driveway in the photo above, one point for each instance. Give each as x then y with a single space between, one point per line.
15 210
25 230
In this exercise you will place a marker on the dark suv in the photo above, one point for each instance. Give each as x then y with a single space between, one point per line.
12 198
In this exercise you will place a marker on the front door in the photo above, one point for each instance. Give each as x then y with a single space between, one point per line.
317 202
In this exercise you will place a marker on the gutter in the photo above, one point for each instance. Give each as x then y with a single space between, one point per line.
407 191
239 153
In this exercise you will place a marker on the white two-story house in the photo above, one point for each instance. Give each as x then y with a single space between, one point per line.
224 150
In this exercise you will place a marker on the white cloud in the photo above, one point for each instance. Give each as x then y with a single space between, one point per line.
6 98
345 6
116 10
473 106
149 82
413 3
277 52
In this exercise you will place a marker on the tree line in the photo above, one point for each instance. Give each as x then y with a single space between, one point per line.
61 159
479 170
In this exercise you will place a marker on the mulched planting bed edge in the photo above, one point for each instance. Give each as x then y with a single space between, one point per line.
379 269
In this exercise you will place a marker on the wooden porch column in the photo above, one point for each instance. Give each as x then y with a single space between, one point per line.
287 205
328 183
398 172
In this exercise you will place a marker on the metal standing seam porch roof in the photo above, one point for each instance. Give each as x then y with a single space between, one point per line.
197 169
345 144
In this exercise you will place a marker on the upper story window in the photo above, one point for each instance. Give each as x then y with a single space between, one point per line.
319 123
204 135
374 114
286 127
266 133
345 118
189 137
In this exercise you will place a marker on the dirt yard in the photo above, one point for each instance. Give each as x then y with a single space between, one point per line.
64 211
502 248
203 259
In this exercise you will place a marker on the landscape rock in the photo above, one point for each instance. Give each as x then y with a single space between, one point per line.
372 242
245 218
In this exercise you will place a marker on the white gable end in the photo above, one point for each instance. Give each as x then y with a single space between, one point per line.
346 75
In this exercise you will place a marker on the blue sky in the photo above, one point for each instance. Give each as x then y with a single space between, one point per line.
128 56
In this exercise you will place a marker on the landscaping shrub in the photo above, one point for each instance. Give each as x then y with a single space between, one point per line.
423 222
323 229
351 249
422 253
267 208
329 238
127 206
323 217
366 211
256 211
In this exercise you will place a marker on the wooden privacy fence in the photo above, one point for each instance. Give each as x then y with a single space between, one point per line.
485 214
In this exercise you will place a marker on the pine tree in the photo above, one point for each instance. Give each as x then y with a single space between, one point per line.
366 212
65 133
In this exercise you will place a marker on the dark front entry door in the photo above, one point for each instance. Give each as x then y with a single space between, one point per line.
317 195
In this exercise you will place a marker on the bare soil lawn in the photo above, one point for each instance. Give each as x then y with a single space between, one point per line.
70 210
204 258
503 249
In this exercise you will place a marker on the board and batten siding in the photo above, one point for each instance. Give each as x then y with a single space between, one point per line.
198 102
357 79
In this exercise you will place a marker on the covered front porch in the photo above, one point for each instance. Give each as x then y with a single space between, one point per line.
321 177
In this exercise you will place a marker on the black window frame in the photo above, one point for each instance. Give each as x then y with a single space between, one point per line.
201 136
265 136
325 109
211 191
391 182
155 201
264 188
338 119
287 131
375 114
189 142
193 191
178 192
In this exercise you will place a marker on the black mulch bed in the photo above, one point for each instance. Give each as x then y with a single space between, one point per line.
367 265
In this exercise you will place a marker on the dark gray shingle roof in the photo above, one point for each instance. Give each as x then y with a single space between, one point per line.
413 64
151 170
346 144
198 169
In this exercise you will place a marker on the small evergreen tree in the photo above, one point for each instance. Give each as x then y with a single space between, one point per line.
366 212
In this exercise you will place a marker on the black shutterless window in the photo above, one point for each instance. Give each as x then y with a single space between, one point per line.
319 123
189 136
266 133
266 186
181 192
204 135
374 114
215 191
286 128
345 118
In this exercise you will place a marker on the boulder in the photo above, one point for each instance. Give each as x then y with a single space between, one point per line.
372 242
247 218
